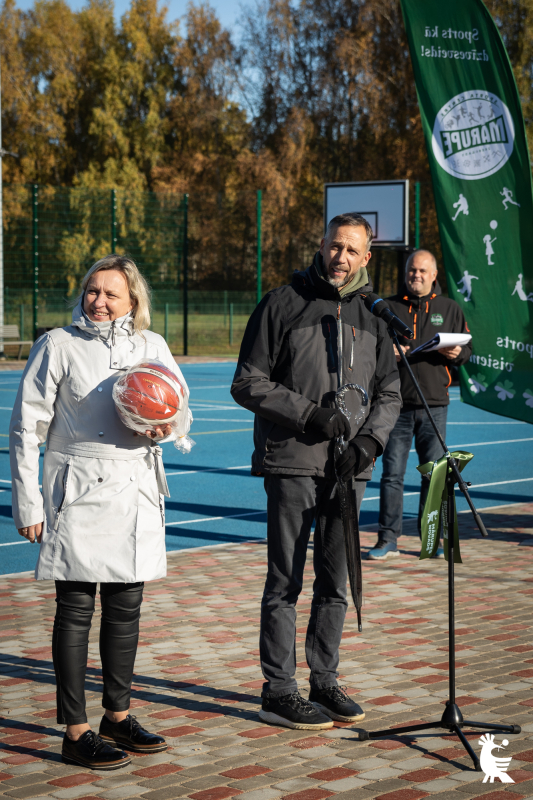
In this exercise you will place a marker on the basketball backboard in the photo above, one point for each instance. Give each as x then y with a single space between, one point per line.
384 204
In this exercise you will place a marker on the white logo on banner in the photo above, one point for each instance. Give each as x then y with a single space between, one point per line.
473 135
494 767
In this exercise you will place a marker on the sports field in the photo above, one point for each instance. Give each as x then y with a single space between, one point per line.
215 500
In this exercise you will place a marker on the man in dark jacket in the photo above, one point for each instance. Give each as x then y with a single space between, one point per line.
301 344
421 306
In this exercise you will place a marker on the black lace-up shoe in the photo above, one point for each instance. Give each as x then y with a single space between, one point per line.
336 704
129 734
293 711
90 751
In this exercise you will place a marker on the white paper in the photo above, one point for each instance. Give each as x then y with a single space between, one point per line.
441 340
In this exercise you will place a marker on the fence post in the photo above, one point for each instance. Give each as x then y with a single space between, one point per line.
259 253
400 269
231 324
166 323
21 323
225 306
35 250
185 276
417 215
113 221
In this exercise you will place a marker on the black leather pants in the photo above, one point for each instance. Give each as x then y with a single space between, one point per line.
119 635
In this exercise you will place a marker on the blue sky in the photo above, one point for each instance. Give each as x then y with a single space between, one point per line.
227 10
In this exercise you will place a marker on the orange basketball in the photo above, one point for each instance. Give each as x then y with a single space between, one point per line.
151 392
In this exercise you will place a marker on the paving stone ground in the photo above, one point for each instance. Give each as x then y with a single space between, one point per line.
197 680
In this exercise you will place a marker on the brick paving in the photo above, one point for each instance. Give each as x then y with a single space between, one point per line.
197 680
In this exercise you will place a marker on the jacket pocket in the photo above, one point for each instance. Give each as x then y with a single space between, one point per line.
63 502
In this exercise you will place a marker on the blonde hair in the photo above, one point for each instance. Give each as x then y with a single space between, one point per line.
137 287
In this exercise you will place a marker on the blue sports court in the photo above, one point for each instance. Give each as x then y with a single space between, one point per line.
215 500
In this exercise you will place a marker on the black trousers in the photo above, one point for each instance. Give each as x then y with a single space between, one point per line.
119 635
293 503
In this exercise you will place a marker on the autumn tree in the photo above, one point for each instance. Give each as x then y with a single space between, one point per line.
313 92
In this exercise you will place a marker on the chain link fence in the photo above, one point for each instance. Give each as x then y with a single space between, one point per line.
52 235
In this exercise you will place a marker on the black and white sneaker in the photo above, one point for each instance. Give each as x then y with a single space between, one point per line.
335 702
293 711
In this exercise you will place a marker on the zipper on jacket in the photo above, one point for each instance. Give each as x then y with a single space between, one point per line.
339 345
351 352
331 354
113 333
66 476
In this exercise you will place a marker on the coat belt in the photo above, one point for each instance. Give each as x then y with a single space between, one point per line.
162 484
114 453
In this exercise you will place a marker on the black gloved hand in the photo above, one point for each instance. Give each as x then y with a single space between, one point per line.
359 454
330 422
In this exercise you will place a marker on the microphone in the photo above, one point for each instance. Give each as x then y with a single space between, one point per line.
377 306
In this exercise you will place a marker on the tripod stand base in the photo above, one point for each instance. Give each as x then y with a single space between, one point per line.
452 721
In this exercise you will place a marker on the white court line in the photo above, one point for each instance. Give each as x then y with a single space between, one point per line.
210 519
482 444
6 408
218 404
201 388
470 488
517 422
499 483
257 513
214 469
8 544
219 419
197 407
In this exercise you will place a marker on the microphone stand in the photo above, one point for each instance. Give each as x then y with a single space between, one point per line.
452 718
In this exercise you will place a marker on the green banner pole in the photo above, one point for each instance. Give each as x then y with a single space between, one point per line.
259 252
479 160
35 256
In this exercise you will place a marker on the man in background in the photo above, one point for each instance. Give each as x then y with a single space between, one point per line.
422 307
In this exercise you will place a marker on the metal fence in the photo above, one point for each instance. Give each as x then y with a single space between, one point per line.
52 235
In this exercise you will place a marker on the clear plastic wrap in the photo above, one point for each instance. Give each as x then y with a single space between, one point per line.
150 394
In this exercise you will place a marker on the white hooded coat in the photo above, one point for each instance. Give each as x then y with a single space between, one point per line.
102 492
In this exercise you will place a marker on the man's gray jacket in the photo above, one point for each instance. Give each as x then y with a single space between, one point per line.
290 361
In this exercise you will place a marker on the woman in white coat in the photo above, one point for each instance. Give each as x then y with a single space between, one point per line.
100 517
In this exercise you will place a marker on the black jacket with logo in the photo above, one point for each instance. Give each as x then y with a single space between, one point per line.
300 341
427 316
